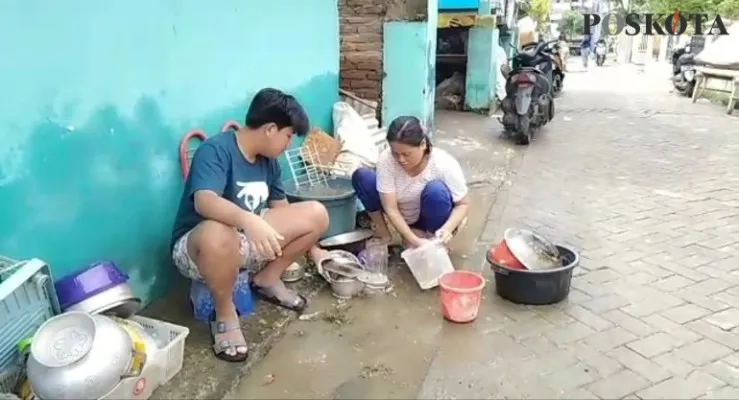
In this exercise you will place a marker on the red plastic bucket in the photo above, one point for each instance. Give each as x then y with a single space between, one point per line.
461 293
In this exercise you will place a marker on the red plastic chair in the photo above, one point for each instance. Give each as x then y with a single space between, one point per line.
185 152
230 126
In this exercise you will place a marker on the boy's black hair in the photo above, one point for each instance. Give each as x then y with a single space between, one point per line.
408 130
274 106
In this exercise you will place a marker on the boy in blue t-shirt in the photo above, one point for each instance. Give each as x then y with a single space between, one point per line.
233 215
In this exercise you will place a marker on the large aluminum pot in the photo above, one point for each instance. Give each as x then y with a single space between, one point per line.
533 251
81 356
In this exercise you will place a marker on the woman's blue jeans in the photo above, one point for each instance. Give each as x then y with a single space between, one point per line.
436 199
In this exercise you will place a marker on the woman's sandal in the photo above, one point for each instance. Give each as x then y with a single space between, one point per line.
221 346
298 306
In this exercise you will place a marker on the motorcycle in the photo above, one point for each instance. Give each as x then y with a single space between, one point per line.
676 54
600 54
558 74
529 103
684 79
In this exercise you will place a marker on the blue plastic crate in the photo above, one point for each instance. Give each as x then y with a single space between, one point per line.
27 299
204 305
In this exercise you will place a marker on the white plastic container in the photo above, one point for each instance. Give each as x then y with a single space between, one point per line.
428 263
161 368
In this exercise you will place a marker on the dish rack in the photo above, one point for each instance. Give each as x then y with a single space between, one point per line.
27 299
305 167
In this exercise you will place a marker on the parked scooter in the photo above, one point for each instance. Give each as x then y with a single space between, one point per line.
676 56
529 103
600 52
558 75
684 78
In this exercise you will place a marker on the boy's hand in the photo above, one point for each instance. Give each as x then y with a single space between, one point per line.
262 238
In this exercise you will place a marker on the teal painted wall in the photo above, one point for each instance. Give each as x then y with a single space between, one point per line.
97 95
409 63
481 63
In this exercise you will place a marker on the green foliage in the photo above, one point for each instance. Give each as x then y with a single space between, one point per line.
728 9
572 24
538 10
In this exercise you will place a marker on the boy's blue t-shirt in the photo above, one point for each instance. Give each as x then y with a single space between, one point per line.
219 166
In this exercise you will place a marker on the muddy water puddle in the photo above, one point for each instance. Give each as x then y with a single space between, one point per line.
369 347
378 346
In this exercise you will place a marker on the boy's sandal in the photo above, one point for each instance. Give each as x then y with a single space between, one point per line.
298 305
221 347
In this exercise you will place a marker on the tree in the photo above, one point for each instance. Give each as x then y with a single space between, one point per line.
538 10
572 24
728 9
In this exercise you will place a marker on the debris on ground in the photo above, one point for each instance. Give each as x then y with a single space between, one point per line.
268 379
338 314
450 92
310 317
378 369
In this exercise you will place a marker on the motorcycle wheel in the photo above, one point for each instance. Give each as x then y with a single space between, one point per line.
557 84
689 89
523 127
551 109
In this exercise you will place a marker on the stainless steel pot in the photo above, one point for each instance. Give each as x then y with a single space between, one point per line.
118 301
346 288
81 356
140 387
532 250
293 273
341 287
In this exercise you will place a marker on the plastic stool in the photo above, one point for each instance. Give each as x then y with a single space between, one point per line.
204 305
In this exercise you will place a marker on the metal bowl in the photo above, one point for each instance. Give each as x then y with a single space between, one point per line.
333 256
341 286
93 279
346 288
293 273
78 356
118 301
353 241
532 250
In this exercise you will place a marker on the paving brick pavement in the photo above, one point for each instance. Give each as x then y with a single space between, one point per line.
646 185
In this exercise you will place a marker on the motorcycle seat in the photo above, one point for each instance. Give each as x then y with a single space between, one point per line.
527 58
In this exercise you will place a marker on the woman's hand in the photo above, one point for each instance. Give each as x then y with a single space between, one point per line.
418 241
444 235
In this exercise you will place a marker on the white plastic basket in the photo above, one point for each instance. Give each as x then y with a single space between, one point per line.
171 341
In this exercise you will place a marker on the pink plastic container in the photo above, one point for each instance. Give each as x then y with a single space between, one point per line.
461 293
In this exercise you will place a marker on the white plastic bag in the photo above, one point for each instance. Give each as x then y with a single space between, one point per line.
357 145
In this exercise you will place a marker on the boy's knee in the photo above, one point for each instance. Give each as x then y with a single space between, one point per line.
319 215
216 239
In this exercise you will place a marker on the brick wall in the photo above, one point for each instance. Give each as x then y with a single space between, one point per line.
361 47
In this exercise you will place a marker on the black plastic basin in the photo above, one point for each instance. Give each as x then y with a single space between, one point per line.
536 287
